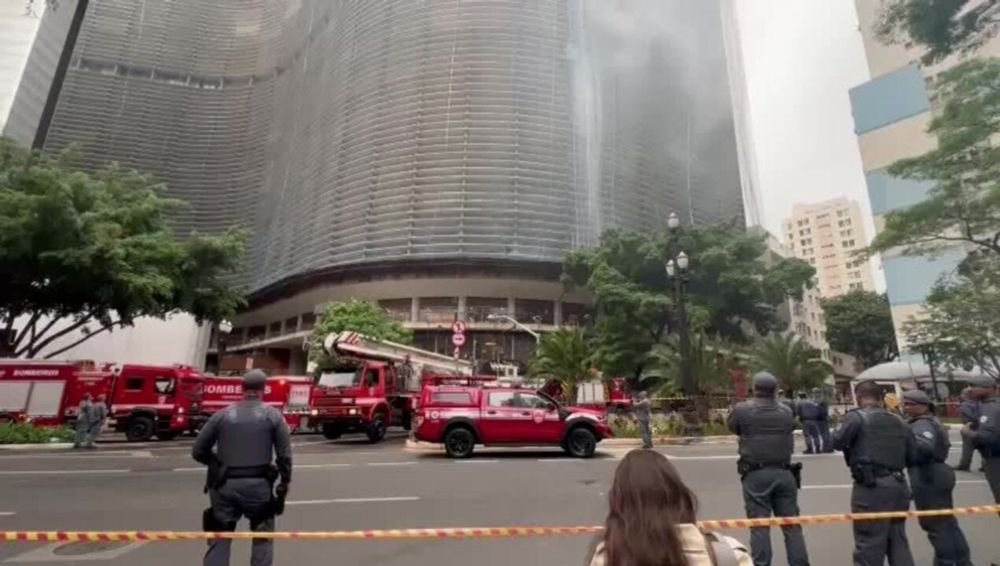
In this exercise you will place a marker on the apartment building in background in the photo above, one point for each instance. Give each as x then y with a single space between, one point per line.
437 157
891 114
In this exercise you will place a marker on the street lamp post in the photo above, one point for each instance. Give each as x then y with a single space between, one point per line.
493 317
223 329
677 274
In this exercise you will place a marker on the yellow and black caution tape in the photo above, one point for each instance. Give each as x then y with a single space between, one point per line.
465 532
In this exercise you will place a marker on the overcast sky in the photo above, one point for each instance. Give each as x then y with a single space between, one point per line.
801 57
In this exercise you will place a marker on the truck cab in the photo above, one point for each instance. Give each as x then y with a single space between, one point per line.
161 401
361 398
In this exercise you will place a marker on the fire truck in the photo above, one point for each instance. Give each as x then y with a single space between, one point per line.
143 401
288 393
379 390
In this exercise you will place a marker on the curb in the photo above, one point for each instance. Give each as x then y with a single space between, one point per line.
417 446
39 446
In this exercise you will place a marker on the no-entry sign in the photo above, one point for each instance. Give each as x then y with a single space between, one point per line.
458 340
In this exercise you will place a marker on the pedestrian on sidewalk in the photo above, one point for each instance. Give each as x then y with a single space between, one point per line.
769 478
98 416
969 412
642 408
84 413
877 446
652 519
933 481
986 436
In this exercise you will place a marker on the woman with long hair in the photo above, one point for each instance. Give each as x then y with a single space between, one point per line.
651 521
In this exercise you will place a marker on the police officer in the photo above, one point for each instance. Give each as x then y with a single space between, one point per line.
877 446
986 436
247 436
969 413
809 413
823 422
932 480
770 480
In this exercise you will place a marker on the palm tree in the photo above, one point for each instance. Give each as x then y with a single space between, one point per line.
795 363
562 355
711 362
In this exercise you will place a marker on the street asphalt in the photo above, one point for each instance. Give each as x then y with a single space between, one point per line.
350 485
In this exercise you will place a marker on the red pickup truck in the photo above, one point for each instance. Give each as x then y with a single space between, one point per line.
460 417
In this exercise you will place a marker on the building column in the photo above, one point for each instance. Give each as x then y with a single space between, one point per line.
415 309
462 307
557 313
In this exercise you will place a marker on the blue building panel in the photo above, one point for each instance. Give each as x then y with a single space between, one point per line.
888 99
909 278
887 193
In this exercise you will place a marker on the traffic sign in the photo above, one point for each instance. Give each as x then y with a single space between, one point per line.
459 327
458 340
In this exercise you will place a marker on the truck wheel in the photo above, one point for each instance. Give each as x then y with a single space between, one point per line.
376 430
581 443
331 431
459 442
139 429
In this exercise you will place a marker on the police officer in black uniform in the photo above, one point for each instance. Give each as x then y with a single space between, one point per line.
252 450
877 446
770 480
985 436
932 480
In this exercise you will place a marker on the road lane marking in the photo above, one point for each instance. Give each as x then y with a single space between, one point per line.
7 513
353 500
319 466
850 485
61 472
391 463
558 460
111 454
475 462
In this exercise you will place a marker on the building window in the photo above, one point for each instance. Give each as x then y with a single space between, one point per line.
847 243
840 213
843 223
845 233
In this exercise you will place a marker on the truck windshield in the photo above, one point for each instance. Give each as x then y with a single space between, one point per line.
340 379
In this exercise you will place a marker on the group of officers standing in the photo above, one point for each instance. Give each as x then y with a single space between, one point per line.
878 446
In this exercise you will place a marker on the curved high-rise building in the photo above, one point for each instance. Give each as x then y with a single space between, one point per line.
440 157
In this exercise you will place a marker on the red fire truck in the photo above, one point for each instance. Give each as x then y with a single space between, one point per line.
288 393
380 387
144 401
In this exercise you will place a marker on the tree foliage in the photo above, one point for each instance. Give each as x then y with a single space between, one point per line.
90 252
962 320
562 355
943 27
859 323
963 207
712 362
789 358
730 289
361 316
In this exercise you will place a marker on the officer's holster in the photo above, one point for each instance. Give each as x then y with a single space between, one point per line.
211 524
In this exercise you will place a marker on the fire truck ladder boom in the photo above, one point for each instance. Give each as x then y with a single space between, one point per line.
349 343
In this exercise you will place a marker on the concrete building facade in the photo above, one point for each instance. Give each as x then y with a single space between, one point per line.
891 114
438 157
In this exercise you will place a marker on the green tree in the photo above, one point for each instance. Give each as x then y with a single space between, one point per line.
361 316
943 27
962 320
963 207
859 323
731 289
562 355
711 362
90 252
790 359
